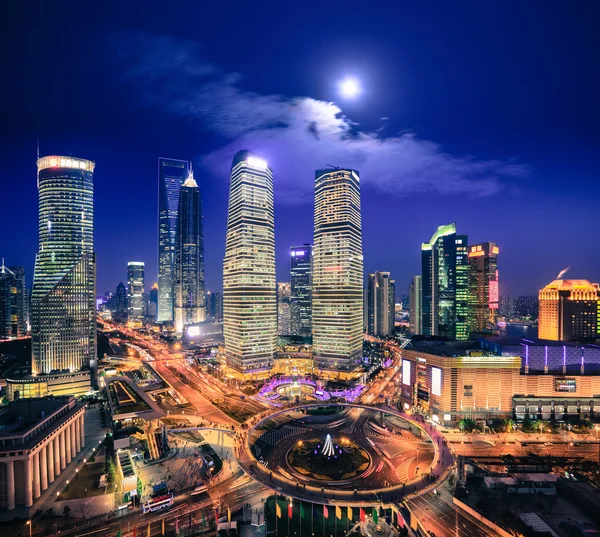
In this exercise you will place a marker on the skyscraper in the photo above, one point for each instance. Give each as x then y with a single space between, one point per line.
171 175
301 290
569 310
189 257
63 301
14 311
337 306
152 306
283 308
121 300
381 298
415 306
483 286
249 285
445 284
135 292
214 305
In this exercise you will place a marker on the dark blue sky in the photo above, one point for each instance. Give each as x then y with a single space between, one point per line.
483 113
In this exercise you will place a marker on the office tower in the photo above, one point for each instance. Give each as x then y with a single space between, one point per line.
63 300
135 291
445 284
337 306
216 306
14 311
189 257
152 306
483 286
172 174
283 308
249 285
121 299
301 290
415 306
381 298
568 310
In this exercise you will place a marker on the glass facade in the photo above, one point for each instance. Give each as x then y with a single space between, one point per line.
171 175
301 290
63 312
483 286
337 305
380 304
14 305
249 285
135 290
189 258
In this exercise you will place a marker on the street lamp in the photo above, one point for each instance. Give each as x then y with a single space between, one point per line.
30 527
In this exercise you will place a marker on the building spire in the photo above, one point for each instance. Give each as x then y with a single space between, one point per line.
190 181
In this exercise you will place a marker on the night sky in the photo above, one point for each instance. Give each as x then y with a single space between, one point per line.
482 113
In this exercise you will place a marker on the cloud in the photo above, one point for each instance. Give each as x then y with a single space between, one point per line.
297 135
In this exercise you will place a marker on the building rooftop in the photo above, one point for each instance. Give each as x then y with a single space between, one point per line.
445 348
568 285
516 341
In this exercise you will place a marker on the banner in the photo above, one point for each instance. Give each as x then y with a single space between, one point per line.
301 510
375 514
277 509
289 510
228 515
362 515
325 512
349 513
338 512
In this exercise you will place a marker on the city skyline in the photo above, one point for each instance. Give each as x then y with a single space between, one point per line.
403 91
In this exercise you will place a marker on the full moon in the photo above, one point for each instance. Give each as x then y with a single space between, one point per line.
349 88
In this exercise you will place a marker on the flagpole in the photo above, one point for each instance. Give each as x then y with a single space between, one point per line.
312 519
276 517
300 518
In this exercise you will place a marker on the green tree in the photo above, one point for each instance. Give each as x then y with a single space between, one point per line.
466 425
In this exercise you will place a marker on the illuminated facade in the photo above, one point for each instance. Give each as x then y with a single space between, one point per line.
283 308
189 258
171 175
14 307
337 305
568 310
445 284
483 286
415 306
249 285
63 302
301 290
380 304
135 291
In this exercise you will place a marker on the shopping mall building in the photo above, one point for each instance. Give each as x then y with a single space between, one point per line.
501 377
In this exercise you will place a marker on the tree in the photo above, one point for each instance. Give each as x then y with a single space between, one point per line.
66 510
466 425
83 509
510 425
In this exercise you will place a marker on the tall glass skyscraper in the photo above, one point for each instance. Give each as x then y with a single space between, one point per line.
415 306
14 305
189 257
381 302
337 305
483 286
445 284
135 291
63 301
171 175
301 290
249 285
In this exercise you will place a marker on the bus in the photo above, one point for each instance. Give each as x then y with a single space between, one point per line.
158 503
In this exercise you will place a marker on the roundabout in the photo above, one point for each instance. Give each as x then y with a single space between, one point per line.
349 453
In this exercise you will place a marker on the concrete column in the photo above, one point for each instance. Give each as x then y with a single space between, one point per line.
77 435
10 485
44 468
62 450
68 443
73 441
82 423
51 461
28 483
57 456
36 476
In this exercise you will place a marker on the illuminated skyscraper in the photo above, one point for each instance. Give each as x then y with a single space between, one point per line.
189 258
249 285
415 306
337 305
14 310
135 291
301 290
121 300
171 175
63 301
381 298
569 310
283 308
483 286
445 281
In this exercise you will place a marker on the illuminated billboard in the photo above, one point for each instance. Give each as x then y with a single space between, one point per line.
193 331
436 381
406 372
565 385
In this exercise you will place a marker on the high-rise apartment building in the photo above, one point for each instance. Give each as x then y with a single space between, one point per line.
249 285
135 291
172 174
283 308
301 290
381 298
445 284
190 304
415 306
483 286
120 300
63 301
337 305
507 306
214 305
14 305
569 310
527 307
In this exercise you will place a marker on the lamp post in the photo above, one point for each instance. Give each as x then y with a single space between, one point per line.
30 524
